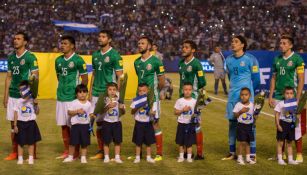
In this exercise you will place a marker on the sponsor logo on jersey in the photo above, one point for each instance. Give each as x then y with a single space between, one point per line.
149 67
71 64
95 59
290 63
189 68
242 63
277 63
107 59
22 62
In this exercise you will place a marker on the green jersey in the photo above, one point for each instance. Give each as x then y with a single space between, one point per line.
68 71
191 72
105 65
148 71
20 68
286 70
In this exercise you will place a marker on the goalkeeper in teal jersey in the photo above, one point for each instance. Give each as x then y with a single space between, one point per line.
191 70
243 72
69 68
21 65
107 68
150 70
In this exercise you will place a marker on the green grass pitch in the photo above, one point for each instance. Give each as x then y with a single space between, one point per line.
214 126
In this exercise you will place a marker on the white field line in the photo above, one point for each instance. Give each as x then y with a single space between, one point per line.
225 101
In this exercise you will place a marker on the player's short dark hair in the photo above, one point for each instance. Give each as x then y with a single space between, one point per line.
288 37
24 83
149 40
25 36
109 33
191 43
246 89
242 40
112 84
287 88
71 39
81 88
187 84
143 85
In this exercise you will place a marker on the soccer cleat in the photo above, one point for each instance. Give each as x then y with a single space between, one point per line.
251 162
106 160
240 162
63 156
11 156
299 158
253 158
68 159
292 162
19 162
98 155
190 160
180 159
137 161
83 160
158 158
281 162
118 161
199 157
229 157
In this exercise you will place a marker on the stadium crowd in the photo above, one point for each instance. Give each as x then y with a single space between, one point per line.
169 22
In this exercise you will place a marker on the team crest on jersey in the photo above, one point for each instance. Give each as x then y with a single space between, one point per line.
290 63
189 69
107 59
22 62
277 63
95 59
242 63
26 111
60 65
149 67
12 62
71 64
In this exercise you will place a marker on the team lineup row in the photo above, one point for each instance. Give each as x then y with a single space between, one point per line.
242 69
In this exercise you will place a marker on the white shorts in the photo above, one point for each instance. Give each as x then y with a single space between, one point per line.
62 118
99 118
10 108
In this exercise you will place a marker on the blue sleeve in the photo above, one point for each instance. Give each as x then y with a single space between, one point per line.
255 73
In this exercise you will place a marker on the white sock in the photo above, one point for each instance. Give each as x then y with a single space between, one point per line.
30 158
117 156
240 157
181 155
279 157
20 158
137 157
189 156
148 157
70 156
83 157
106 156
290 158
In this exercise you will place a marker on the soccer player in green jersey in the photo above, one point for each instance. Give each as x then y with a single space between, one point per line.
21 65
191 70
150 70
69 68
107 68
288 70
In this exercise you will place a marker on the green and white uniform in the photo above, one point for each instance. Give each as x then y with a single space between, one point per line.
105 66
68 71
191 72
20 68
148 71
286 70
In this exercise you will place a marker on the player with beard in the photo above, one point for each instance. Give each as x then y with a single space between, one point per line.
21 65
191 70
150 70
107 68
